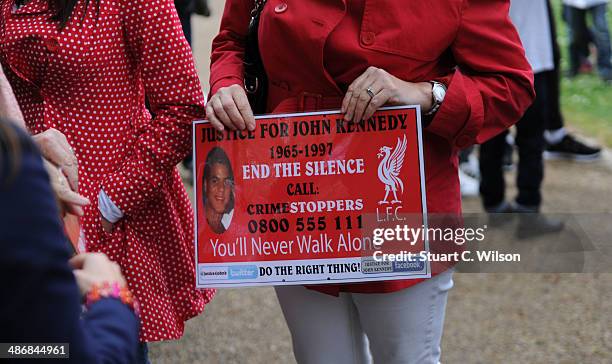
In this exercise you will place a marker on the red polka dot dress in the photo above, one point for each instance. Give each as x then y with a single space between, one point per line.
89 81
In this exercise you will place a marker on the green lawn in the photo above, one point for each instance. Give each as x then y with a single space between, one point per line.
586 101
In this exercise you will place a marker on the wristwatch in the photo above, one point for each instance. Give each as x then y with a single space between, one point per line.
438 92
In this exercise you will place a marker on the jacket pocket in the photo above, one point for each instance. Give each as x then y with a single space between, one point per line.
416 29
96 238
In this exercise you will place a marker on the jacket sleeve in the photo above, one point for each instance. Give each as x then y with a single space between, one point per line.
163 58
42 301
492 85
226 67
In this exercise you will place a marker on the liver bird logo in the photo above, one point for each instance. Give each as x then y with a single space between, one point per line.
389 169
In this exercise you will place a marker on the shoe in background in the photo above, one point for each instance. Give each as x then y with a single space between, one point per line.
471 166
469 185
569 148
532 223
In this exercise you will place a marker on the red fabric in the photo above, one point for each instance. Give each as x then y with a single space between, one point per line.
89 82
469 44
344 57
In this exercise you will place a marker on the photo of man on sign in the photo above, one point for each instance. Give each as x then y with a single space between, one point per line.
218 190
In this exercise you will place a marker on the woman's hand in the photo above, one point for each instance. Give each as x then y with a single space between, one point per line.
376 87
230 108
95 268
55 147
62 166
70 201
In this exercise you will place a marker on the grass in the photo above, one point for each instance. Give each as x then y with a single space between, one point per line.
586 101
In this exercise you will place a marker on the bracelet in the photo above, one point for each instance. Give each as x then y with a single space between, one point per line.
114 290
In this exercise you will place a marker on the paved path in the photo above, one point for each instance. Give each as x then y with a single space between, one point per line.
491 318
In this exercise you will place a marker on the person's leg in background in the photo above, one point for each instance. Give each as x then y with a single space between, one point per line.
555 122
492 183
202 8
601 33
530 145
406 326
324 328
576 25
185 8
583 51
559 143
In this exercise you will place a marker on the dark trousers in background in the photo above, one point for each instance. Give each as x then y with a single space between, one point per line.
530 143
581 49
578 37
184 8
553 81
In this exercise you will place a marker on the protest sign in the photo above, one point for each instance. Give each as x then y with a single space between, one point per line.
297 200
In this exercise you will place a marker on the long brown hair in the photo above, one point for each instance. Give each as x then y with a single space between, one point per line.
10 152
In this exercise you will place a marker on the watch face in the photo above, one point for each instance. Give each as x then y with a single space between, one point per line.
438 92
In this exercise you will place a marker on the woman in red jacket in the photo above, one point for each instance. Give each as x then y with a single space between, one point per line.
460 60
84 67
